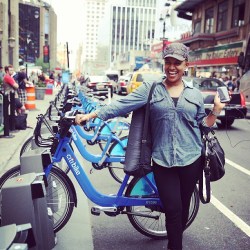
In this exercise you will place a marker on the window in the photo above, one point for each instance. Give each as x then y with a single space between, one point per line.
238 13
209 20
197 26
222 16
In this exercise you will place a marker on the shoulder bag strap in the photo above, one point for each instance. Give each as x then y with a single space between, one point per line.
206 172
146 123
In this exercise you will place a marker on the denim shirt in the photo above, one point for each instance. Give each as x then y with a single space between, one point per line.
175 131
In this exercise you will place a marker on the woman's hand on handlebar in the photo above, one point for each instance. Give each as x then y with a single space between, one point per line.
83 118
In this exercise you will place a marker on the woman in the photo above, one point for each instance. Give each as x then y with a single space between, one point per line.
176 113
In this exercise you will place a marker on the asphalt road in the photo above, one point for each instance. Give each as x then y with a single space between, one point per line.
222 224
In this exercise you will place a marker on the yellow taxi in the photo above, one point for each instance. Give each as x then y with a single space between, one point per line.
139 77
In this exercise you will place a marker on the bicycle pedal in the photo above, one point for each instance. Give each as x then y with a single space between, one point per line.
97 210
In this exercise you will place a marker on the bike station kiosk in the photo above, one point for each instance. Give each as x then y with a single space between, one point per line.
24 199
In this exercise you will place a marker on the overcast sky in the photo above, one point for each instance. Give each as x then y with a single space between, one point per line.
69 21
69 24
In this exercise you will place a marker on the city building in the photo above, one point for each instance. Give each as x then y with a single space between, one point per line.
219 37
27 30
132 31
119 34
94 14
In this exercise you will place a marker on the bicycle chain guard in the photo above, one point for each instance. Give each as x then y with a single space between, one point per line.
100 167
91 143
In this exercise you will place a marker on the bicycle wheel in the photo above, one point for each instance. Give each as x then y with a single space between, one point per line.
60 198
59 195
116 169
27 146
122 129
151 227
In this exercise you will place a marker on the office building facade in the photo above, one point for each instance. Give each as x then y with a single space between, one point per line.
25 28
220 33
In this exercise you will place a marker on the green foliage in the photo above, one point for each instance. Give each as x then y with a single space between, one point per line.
45 66
40 84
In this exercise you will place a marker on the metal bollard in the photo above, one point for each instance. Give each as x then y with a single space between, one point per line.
6 117
109 95
12 111
23 201
1 108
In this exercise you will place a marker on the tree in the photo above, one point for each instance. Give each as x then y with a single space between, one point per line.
45 66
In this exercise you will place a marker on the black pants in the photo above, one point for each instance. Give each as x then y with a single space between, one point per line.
175 186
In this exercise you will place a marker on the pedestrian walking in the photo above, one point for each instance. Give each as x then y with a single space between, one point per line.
176 114
59 80
41 77
23 82
33 77
9 84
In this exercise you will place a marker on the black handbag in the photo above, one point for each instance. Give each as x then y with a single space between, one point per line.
21 121
214 164
139 148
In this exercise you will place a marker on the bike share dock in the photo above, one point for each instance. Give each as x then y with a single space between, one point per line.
77 233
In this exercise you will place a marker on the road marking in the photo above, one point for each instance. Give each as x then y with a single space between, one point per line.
235 165
231 216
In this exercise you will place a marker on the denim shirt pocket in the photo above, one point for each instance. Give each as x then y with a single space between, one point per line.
156 99
190 114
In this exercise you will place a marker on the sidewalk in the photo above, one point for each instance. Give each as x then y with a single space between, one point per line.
10 146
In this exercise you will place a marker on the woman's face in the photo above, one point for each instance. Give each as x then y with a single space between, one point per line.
174 69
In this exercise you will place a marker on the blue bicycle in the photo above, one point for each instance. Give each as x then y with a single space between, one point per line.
139 199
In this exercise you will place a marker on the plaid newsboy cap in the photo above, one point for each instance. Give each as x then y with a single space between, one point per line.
176 50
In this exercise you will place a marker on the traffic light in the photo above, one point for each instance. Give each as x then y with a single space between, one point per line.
46 53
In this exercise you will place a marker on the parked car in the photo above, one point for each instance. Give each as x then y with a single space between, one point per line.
99 84
139 77
235 109
123 83
113 76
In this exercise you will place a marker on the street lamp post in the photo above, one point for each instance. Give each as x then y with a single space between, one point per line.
164 26
31 47
163 19
12 42
1 38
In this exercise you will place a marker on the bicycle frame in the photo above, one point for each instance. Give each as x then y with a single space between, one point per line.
104 135
64 150
97 158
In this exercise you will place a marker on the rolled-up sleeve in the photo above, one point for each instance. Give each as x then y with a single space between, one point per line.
131 102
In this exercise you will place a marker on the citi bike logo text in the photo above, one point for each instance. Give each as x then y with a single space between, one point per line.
73 164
